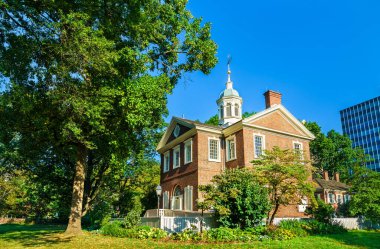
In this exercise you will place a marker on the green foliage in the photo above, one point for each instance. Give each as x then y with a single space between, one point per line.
132 219
189 235
365 194
225 234
322 212
279 233
116 229
333 152
285 174
88 82
214 120
298 228
238 200
319 228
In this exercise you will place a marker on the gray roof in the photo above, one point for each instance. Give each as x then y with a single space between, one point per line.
332 184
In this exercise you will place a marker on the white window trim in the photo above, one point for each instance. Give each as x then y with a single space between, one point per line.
208 148
177 148
165 154
187 142
232 138
254 145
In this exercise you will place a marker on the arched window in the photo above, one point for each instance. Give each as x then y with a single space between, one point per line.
236 109
221 113
229 111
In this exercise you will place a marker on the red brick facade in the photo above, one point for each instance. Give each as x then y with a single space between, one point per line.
275 124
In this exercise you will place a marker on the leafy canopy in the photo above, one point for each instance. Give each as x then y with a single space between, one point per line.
286 176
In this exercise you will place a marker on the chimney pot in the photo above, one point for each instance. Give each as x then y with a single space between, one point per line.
272 98
326 175
336 176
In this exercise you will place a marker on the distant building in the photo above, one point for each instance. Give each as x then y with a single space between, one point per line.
331 190
192 152
361 123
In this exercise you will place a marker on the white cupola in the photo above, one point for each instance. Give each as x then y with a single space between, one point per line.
229 103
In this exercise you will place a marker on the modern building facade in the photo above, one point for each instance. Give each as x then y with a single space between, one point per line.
361 123
192 152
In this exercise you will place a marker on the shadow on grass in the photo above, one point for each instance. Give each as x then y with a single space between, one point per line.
33 235
365 239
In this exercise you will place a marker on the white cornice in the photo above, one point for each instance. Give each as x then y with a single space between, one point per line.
177 141
276 131
294 121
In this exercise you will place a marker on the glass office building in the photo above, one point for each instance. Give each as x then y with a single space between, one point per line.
361 123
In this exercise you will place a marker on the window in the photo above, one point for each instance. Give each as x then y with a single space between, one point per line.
176 157
165 200
339 199
259 143
188 198
221 112
166 161
237 110
231 149
188 151
213 149
346 198
331 198
229 110
297 146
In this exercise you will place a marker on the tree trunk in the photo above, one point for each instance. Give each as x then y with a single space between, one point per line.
273 214
74 226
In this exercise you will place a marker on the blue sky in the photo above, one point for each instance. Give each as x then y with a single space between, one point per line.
323 56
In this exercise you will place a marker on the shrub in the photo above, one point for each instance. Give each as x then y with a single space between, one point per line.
298 228
117 229
322 212
279 233
257 230
315 227
132 219
188 234
224 234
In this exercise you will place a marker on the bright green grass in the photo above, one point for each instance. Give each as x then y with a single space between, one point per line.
43 236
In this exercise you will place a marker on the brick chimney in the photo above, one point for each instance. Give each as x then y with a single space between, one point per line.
336 176
326 175
272 98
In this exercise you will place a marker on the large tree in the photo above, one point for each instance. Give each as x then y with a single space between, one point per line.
333 152
287 177
87 81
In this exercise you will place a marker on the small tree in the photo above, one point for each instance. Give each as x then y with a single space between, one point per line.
238 200
285 174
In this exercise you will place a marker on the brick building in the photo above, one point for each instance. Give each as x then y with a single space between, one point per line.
192 152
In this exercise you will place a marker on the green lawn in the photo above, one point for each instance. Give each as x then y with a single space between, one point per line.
44 236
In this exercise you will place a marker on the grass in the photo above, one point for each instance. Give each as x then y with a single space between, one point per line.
51 236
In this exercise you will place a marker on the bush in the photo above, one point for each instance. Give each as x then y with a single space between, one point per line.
278 233
189 234
117 229
257 230
298 228
132 219
322 212
315 228
224 234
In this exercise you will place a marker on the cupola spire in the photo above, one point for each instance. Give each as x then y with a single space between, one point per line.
229 82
